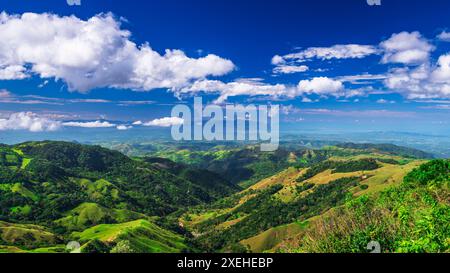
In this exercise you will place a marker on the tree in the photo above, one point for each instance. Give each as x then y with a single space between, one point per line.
123 247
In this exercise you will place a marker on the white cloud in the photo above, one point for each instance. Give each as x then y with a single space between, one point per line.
124 127
419 78
12 72
444 36
89 101
94 53
422 82
42 85
89 124
139 122
165 122
442 73
321 86
28 121
39 123
290 69
291 63
278 60
406 48
349 51
239 88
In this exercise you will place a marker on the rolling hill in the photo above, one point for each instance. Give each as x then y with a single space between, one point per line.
286 208
222 199
69 188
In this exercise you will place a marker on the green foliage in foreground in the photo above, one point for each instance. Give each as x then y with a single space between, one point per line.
413 217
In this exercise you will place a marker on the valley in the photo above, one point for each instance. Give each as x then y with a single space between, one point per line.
221 198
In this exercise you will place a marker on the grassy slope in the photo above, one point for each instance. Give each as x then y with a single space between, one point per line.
80 199
410 217
376 180
26 236
380 179
143 236
270 239
89 214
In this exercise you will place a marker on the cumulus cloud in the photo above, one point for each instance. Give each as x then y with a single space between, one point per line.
89 124
28 121
94 53
321 86
444 36
165 122
442 73
238 88
419 78
407 48
422 82
278 60
12 72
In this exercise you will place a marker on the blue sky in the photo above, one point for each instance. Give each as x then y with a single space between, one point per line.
332 65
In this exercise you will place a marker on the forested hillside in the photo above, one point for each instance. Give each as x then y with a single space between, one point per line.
69 187
334 206
218 199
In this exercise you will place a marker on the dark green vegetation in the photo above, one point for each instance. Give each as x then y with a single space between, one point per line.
228 198
70 187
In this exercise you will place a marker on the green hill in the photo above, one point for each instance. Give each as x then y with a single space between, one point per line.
26 236
412 217
71 187
140 236
60 176
91 214
334 199
287 207
246 165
